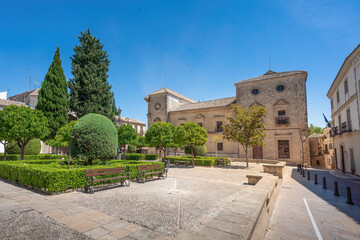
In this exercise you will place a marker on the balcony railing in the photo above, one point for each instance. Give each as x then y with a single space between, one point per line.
345 127
219 129
282 120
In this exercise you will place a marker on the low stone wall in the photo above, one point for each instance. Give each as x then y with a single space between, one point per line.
277 169
269 161
253 179
245 217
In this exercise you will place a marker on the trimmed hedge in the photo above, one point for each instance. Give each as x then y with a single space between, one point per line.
50 176
198 161
12 157
198 150
32 148
139 156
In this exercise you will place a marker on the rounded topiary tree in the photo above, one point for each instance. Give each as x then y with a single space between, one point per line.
94 137
198 150
32 148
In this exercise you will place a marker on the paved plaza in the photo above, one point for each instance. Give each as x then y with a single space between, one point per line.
158 209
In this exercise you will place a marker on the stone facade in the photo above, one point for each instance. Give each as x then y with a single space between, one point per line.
282 94
322 150
29 98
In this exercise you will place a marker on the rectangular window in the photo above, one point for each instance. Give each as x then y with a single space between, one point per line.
219 126
220 146
283 149
337 97
200 124
346 87
332 104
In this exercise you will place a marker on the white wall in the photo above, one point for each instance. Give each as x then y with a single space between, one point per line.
3 95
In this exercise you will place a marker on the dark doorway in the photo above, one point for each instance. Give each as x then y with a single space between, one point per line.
342 159
257 152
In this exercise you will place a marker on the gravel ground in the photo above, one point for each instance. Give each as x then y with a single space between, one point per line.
182 201
33 225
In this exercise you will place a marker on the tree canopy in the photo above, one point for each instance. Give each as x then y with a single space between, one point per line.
23 124
160 135
63 136
90 91
53 98
246 127
315 129
191 134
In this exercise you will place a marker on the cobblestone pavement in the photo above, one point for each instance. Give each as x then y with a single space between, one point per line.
154 210
307 211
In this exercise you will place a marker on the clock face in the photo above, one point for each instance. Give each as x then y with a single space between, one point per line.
157 106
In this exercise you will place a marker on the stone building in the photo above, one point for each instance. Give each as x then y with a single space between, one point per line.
344 101
29 98
322 150
139 126
282 94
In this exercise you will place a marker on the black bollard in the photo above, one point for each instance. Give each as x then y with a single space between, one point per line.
309 176
324 183
349 198
303 173
336 193
298 167
316 182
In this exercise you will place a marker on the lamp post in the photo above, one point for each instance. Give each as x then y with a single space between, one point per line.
302 149
119 147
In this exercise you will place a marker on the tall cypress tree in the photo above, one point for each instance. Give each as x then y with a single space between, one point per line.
113 107
90 91
53 98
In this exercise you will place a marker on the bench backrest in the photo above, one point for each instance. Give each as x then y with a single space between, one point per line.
148 167
104 171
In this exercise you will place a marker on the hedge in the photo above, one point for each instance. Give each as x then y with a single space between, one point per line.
32 148
50 176
139 156
12 157
198 161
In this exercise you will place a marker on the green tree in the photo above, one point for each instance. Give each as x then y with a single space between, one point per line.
140 142
94 137
113 108
315 129
198 150
32 148
63 136
5 137
246 128
174 146
90 91
160 135
216 139
24 124
53 96
126 135
192 135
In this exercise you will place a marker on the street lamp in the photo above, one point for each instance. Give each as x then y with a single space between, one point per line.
302 149
119 147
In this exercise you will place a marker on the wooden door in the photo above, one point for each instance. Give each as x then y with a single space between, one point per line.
257 152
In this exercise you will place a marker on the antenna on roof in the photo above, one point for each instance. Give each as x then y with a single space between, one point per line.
36 83
269 60
27 71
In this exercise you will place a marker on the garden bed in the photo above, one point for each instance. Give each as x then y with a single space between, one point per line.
54 175
12 157
198 161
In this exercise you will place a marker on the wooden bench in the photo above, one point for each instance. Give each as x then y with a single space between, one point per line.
186 163
90 174
145 170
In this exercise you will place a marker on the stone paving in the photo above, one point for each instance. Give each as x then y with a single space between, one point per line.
333 218
163 207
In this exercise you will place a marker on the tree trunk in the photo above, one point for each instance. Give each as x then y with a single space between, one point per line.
125 151
22 152
192 154
216 150
246 154
160 155
118 155
89 161
5 145
164 155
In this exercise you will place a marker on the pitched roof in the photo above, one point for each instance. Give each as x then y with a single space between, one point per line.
271 75
130 120
30 92
6 103
222 102
167 90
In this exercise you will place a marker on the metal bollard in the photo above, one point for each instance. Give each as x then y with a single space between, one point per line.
298 167
324 183
309 176
336 193
349 198
316 182
303 173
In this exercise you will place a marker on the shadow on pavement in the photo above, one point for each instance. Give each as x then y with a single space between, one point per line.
328 193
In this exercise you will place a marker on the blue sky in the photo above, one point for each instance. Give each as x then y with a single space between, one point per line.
202 47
